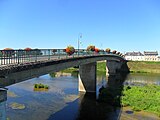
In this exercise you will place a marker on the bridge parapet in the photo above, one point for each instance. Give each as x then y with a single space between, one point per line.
34 55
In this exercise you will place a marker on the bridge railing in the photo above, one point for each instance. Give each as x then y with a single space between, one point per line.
34 55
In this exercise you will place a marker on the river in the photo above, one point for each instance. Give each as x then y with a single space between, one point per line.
62 101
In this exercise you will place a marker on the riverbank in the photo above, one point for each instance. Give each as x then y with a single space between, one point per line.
101 69
144 67
142 98
134 66
128 114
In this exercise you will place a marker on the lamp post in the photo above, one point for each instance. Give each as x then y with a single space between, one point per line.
79 36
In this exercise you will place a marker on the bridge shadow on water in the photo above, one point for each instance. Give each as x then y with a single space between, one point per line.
105 106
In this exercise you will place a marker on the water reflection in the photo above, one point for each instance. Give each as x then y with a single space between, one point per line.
59 74
89 108
142 79
63 101
110 95
3 110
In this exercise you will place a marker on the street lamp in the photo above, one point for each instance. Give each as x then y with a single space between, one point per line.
79 36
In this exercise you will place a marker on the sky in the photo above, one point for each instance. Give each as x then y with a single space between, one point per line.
122 25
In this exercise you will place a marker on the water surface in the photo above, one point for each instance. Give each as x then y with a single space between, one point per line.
63 101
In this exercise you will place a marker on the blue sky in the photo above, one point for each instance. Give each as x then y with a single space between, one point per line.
124 25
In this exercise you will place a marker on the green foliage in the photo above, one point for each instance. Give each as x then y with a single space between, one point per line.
91 48
46 86
101 66
40 85
135 67
70 50
145 98
52 74
108 50
1 54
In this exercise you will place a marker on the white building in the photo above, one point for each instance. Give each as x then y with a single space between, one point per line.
151 56
134 56
138 56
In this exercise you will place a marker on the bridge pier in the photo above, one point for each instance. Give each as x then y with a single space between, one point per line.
112 67
3 98
3 95
87 77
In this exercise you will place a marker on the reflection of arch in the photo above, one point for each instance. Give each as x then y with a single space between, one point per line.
90 109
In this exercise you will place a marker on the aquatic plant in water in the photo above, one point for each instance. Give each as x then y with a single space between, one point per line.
11 94
40 87
18 106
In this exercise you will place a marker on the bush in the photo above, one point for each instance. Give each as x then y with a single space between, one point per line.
70 50
114 51
118 53
8 52
108 50
41 86
97 50
27 49
91 48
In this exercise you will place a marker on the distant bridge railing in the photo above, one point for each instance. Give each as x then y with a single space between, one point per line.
24 56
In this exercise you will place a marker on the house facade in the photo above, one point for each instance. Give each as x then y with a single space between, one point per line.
151 56
138 56
134 56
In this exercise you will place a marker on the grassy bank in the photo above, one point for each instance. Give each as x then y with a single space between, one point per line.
144 67
101 67
146 98
134 66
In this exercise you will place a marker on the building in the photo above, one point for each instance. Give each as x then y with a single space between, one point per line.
151 56
135 56
147 56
